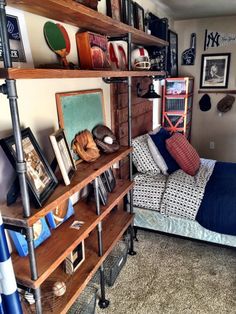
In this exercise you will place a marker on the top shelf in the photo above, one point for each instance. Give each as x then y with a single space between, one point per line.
71 12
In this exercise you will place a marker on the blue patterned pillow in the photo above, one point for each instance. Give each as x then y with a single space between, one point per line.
159 140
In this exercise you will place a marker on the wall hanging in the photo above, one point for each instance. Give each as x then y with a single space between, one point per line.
217 39
188 56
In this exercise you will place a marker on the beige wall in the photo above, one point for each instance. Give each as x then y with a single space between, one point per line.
209 126
37 105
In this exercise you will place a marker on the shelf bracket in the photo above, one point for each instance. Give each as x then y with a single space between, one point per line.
114 80
3 89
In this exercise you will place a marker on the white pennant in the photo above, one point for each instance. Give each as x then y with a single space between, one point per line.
217 39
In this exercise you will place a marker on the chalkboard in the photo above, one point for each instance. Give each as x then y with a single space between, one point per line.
80 110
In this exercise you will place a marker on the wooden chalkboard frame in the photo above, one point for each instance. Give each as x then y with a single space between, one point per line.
81 101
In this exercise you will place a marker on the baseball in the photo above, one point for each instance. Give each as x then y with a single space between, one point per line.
108 140
59 288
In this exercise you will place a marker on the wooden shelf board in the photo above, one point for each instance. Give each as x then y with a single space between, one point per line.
113 229
86 172
15 73
55 249
71 12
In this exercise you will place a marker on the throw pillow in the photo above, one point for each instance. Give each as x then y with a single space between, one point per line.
156 155
184 153
159 140
142 157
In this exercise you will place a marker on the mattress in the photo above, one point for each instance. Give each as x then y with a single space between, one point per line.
153 220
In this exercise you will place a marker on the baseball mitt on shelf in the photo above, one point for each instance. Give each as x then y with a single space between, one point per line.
85 147
105 139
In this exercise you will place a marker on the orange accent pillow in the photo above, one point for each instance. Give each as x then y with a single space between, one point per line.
184 153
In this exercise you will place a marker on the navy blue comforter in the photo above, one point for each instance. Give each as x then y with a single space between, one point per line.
218 208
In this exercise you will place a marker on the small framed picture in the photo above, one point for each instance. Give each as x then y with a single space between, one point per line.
215 70
109 180
60 214
114 9
103 193
18 39
40 177
63 155
41 233
74 259
125 12
172 64
139 17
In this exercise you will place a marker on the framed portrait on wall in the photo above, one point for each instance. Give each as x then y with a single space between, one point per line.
172 64
40 177
18 38
215 70
138 17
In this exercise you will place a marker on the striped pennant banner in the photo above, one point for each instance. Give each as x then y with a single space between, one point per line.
10 302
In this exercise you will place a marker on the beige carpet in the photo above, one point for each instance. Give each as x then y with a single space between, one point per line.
173 275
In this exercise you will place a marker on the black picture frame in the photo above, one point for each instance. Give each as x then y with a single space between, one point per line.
40 177
109 180
103 193
125 12
172 64
114 9
139 17
75 259
63 155
215 70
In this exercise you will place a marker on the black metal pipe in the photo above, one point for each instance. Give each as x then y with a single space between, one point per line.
38 303
32 259
114 80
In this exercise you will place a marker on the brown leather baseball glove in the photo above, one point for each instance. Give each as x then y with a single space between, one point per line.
85 147
105 139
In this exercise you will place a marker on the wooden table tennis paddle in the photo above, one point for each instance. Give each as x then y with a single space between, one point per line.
56 41
66 37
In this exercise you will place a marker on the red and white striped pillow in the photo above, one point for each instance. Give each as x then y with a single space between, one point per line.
184 153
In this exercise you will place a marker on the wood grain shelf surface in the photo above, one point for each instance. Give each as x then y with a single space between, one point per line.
15 73
71 12
86 172
64 239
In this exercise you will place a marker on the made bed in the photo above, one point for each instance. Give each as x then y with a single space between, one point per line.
200 206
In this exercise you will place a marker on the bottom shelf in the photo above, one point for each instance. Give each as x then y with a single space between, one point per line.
114 227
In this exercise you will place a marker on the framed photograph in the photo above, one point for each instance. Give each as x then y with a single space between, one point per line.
125 12
41 233
109 180
114 9
63 155
78 111
75 259
60 214
103 193
40 177
215 70
139 17
18 38
172 64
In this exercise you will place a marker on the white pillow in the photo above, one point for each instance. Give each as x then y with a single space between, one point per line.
157 157
142 157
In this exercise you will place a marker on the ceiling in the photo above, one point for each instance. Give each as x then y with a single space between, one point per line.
189 9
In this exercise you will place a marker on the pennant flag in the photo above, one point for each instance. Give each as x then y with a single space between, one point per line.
217 39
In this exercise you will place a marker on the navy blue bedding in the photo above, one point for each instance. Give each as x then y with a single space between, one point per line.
217 211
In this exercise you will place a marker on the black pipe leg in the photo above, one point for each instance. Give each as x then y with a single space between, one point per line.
131 247
103 302
135 233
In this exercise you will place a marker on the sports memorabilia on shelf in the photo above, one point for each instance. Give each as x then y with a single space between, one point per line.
140 59
92 50
41 233
59 288
158 26
172 64
124 12
40 177
63 155
74 259
85 147
105 139
157 58
60 214
118 55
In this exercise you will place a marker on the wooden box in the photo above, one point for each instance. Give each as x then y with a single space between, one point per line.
93 51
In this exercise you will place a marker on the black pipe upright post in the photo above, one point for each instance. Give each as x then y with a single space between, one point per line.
9 88
103 302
